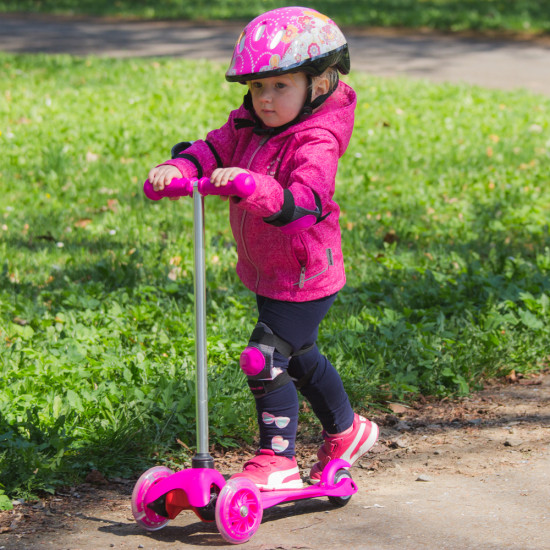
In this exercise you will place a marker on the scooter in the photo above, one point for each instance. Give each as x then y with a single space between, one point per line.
236 505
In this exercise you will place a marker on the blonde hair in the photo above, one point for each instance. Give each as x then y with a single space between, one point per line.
331 74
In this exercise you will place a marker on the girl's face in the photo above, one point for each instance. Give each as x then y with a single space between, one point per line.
278 99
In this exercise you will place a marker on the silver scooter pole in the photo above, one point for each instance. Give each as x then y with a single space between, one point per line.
243 185
202 458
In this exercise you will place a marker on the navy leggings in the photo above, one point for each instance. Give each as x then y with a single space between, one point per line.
298 324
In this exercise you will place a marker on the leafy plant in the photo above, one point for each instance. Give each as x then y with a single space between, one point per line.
5 501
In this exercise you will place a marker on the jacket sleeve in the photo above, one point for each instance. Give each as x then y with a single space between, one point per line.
304 198
216 151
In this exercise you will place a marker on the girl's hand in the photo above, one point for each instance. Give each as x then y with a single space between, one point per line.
162 175
221 176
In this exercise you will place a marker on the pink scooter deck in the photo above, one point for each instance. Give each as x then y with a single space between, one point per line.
325 488
196 484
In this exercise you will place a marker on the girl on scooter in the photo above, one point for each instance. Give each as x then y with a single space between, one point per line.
292 128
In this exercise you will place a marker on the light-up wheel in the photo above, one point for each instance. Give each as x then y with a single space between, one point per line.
144 516
238 510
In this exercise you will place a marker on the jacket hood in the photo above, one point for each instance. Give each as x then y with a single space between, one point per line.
336 115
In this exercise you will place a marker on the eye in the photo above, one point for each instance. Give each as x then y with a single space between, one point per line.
280 85
256 85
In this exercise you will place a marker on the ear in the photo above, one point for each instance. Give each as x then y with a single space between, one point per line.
321 86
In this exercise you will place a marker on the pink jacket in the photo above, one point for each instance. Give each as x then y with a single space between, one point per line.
306 265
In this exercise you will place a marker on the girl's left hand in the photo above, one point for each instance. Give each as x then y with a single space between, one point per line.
221 176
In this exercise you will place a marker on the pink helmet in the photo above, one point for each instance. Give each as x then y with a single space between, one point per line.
286 40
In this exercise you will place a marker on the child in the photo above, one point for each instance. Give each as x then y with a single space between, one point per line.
295 123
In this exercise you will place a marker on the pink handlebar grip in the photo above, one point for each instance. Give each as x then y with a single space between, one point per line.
242 186
179 187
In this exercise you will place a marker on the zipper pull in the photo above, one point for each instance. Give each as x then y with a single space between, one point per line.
302 278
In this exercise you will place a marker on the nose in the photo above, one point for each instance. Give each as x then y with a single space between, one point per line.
265 95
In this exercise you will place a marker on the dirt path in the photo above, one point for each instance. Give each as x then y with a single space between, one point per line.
455 475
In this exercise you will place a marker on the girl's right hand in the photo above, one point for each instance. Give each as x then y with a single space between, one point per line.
162 175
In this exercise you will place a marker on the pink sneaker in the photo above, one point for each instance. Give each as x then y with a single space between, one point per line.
269 471
349 447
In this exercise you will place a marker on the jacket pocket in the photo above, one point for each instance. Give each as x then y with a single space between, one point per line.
300 253
300 250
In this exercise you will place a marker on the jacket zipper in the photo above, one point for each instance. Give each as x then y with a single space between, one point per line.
302 280
261 144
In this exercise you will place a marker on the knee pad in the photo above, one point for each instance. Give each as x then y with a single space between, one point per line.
256 360
252 361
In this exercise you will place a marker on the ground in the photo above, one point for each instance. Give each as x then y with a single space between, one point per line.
457 474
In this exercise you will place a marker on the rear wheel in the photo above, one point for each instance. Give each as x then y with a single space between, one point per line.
143 515
339 476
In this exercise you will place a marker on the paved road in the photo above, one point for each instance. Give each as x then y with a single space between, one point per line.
485 62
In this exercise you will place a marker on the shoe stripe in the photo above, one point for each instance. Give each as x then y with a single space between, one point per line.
296 484
354 452
347 455
365 447
285 479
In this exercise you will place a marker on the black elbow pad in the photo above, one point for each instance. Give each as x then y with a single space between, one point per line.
293 219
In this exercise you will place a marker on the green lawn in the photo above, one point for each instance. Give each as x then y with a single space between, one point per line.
445 200
532 16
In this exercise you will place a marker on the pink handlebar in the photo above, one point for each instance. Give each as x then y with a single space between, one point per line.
179 187
242 186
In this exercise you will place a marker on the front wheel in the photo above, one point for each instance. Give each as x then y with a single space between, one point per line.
238 510
340 501
144 516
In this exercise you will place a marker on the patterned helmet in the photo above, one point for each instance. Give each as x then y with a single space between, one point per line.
287 40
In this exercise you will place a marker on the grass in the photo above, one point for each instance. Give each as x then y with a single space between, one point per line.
525 16
445 206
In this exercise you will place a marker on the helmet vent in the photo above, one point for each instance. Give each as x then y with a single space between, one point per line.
259 32
276 39
242 42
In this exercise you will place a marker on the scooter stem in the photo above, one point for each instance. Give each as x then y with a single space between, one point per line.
202 459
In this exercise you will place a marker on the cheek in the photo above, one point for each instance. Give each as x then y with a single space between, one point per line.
299 100
255 100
